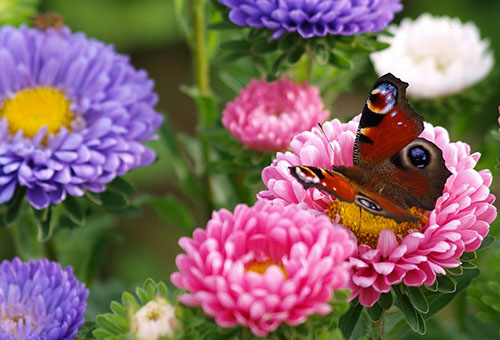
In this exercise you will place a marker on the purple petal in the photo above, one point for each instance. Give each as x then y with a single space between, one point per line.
37 198
7 191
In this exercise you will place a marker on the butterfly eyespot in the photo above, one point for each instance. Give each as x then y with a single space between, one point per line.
419 157
367 204
382 99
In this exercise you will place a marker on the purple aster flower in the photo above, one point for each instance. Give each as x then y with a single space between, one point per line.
314 17
40 300
73 114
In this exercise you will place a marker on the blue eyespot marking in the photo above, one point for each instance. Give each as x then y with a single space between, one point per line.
383 98
419 157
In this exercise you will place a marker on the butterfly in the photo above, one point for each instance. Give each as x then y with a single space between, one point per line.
393 170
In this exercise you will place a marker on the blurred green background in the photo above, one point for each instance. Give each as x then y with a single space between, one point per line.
147 30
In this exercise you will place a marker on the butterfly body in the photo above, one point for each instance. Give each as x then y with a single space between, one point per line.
393 170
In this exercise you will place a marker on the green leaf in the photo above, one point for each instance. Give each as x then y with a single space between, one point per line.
264 46
487 242
433 288
97 254
468 265
64 221
171 210
418 299
321 53
349 320
275 68
85 332
287 42
236 45
421 324
455 271
379 45
410 313
222 25
143 296
294 56
113 201
441 300
375 312
107 321
229 59
73 209
13 206
339 60
43 219
93 197
468 256
386 300
221 139
121 185
446 284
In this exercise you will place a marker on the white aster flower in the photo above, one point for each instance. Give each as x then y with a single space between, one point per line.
437 56
155 320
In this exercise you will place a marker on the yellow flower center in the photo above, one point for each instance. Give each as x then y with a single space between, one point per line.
261 267
367 226
31 109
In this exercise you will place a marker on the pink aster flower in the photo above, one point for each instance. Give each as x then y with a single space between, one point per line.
458 223
266 116
264 265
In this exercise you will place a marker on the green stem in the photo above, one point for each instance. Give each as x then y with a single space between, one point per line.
378 328
202 81
310 63
198 45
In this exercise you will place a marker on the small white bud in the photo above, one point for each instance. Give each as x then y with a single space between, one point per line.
155 320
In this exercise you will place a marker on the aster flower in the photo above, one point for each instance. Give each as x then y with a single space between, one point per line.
40 300
264 265
73 115
390 253
266 116
314 17
155 320
150 316
438 56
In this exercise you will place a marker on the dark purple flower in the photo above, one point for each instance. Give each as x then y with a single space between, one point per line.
73 114
314 17
40 300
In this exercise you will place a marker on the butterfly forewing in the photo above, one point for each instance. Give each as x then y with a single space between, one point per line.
388 122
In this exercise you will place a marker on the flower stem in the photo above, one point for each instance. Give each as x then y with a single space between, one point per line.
310 63
198 45
378 328
205 102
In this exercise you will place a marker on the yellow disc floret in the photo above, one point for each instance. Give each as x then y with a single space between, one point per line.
261 267
31 109
367 226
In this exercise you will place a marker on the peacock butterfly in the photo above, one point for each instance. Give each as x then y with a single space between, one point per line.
393 169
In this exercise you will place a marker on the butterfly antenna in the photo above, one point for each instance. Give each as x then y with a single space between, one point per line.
327 140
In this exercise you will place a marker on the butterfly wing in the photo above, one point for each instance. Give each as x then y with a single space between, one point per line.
393 168
387 144
329 181
388 122
345 187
